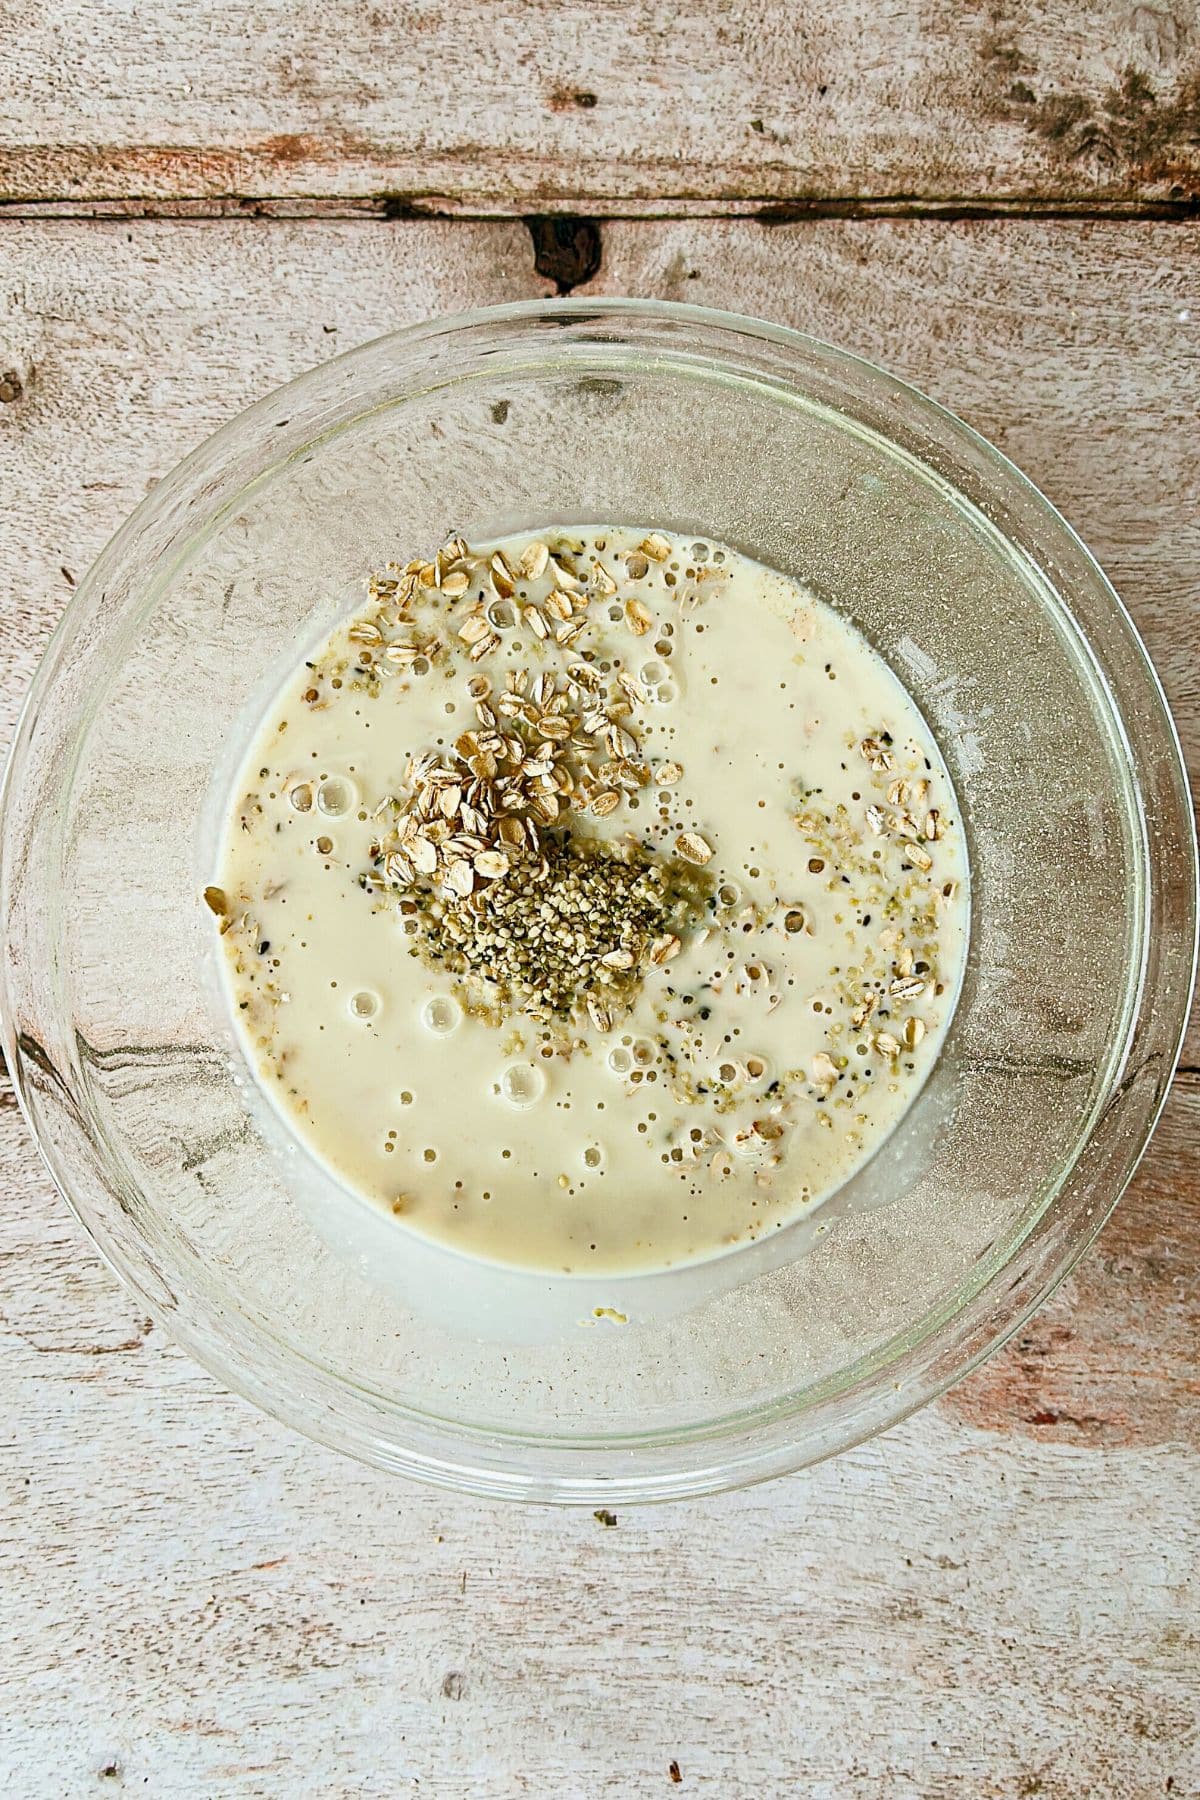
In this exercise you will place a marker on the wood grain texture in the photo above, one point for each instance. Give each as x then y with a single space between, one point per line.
996 1599
1074 347
198 1602
528 105
202 1604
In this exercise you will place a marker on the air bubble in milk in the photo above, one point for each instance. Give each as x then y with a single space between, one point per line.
336 796
501 615
522 1084
441 1015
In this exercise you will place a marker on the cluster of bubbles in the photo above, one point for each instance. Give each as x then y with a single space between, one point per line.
741 1072
334 796
626 1058
656 679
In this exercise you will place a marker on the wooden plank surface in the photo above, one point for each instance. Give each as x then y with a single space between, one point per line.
992 1601
527 105
997 1599
1074 346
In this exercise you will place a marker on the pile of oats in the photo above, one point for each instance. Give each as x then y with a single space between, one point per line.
907 815
488 597
490 845
544 748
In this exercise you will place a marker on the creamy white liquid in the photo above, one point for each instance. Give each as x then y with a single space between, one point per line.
755 1070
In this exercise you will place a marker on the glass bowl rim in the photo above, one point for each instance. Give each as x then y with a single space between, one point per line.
583 1471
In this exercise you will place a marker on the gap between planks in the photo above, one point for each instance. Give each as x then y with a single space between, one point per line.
761 209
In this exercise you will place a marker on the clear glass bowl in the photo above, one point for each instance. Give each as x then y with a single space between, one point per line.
1084 902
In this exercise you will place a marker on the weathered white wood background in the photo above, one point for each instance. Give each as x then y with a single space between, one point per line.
196 202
